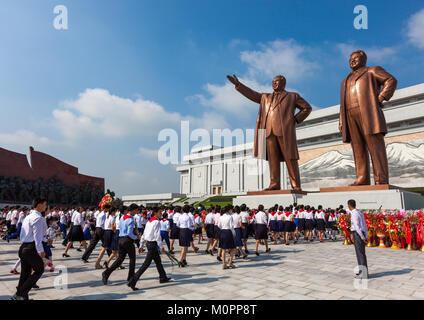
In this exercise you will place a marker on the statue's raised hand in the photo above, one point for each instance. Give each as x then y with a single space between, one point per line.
234 80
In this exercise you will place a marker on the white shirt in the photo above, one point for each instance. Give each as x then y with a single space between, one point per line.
301 214
9 216
33 230
109 222
309 215
152 232
287 217
320 215
273 216
21 217
164 225
261 217
280 216
226 222
185 221
244 217
100 220
117 218
176 217
216 218
62 218
77 219
209 218
236 220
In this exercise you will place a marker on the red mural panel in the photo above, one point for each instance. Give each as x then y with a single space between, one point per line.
43 166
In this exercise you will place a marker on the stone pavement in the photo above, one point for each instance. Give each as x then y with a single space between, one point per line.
302 271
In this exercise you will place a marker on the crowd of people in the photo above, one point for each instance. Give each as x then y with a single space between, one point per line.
122 230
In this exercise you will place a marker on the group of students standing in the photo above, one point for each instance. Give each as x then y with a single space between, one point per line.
123 230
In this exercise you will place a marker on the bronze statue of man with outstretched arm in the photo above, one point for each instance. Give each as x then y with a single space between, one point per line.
277 123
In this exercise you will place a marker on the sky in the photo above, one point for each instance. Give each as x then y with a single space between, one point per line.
97 94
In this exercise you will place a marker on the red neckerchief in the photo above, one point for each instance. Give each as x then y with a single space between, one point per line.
195 217
301 210
287 213
280 213
164 220
127 217
332 215
153 219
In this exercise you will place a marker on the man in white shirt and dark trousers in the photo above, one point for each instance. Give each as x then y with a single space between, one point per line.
360 238
31 251
153 239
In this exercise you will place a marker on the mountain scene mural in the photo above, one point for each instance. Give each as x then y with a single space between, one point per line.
337 168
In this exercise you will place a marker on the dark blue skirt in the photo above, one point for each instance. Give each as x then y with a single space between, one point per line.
216 232
115 239
273 225
175 232
107 239
301 224
320 224
245 231
309 224
76 234
237 240
185 237
287 226
209 231
198 230
280 224
261 232
226 239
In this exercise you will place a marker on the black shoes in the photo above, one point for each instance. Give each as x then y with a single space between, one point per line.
104 279
84 260
257 253
218 258
132 286
121 267
164 280
64 255
79 250
35 286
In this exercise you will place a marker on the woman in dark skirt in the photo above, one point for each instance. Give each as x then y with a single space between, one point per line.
261 228
309 223
273 225
280 222
226 237
320 220
185 225
238 230
175 230
216 231
244 215
109 228
209 229
76 233
301 216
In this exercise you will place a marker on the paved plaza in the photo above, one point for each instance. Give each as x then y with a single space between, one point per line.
302 271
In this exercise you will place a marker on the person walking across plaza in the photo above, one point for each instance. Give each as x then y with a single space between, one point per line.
153 240
127 235
360 238
98 233
261 230
31 252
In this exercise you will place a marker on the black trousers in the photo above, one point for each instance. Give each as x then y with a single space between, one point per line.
126 246
152 254
98 236
30 260
360 250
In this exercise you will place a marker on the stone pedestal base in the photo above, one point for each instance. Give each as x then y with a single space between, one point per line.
270 192
365 199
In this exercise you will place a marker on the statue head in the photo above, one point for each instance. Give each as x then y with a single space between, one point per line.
358 59
279 83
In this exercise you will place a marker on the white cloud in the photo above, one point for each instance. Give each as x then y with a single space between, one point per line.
97 113
285 57
23 138
374 54
416 29
226 98
148 153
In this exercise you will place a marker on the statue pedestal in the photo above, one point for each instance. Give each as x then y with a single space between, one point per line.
366 197
270 192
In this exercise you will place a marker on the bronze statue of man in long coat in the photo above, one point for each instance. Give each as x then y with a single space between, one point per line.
277 123
362 121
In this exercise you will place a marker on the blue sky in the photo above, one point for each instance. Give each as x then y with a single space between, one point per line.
94 94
